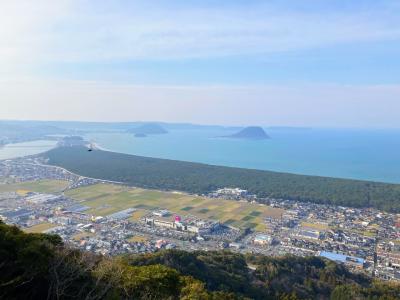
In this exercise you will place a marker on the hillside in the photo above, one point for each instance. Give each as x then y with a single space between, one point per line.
286 277
250 133
15 132
39 266
201 178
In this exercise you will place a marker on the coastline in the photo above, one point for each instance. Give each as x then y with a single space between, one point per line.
22 149
97 146
308 152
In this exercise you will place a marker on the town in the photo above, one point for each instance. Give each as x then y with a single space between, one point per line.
365 240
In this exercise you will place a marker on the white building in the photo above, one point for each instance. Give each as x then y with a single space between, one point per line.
262 239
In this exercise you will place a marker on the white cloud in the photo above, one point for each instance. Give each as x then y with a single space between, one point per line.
74 30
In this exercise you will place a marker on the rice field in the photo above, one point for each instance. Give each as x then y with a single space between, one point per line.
39 186
106 199
315 226
39 228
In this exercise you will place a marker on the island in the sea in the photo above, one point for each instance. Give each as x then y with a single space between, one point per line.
250 133
148 129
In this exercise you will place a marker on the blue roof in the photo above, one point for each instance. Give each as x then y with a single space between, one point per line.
123 214
77 208
17 213
341 258
262 237
308 233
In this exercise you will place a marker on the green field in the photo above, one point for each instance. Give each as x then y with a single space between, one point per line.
39 186
105 199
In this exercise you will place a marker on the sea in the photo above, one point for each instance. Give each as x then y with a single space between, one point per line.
344 153
24 149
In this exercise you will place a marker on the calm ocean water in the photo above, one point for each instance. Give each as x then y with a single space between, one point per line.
24 149
359 154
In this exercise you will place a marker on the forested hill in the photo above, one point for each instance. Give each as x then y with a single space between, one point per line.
201 178
39 266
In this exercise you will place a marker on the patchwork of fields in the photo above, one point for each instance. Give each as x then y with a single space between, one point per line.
39 186
105 199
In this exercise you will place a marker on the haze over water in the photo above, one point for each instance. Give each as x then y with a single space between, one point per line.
345 153
25 148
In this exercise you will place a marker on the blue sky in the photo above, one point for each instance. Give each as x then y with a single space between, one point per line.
361 58
162 53
364 63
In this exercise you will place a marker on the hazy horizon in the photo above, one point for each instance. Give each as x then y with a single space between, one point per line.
223 125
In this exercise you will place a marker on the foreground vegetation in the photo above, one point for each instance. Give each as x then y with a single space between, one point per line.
39 266
200 178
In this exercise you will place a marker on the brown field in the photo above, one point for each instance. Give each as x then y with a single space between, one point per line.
316 226
138 238
105 199
39 186
39 228
82 235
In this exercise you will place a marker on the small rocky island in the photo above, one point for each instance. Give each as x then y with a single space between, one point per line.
250 133
148 129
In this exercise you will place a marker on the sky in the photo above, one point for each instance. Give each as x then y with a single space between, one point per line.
320 63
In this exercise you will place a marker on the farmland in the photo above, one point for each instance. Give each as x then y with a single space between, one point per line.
39 186
105 199
39 228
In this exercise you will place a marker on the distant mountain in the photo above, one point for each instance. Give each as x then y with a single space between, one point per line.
140 135
250 133
80 128
15 132
148 129
289 128
71 141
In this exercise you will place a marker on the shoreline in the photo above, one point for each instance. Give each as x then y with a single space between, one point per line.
41 148
339 154
97 146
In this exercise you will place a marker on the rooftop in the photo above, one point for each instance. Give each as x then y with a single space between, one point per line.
341 258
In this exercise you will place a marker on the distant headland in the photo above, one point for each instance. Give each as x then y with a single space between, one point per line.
250 133
147 129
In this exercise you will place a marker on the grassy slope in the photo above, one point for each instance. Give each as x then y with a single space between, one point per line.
200 178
